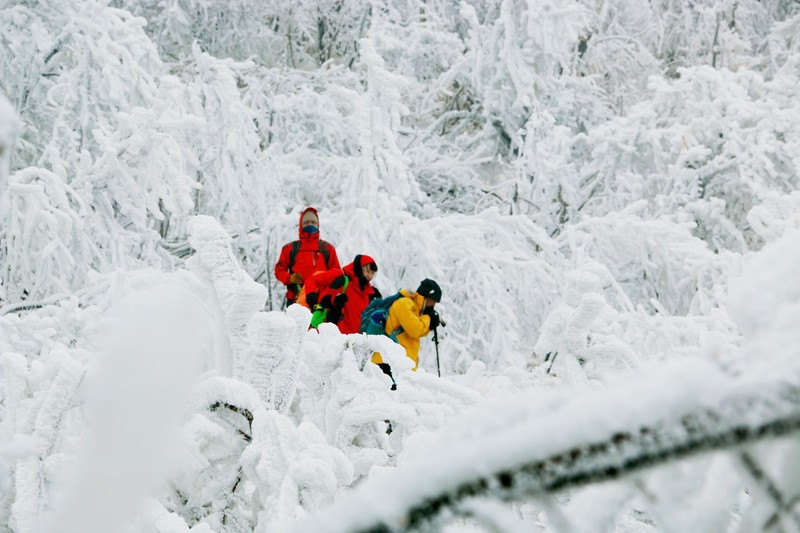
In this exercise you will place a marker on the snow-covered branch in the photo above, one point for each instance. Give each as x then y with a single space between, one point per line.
607 437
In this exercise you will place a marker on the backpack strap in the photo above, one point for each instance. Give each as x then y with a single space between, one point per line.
323 248
399 329
340 281
326 253
293 253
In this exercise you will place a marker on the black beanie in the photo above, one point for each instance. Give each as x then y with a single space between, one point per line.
430 289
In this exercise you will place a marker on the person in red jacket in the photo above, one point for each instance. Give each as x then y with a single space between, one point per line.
300 259
344 292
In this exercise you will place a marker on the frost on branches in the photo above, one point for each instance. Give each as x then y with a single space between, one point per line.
606 193
9 128
215 404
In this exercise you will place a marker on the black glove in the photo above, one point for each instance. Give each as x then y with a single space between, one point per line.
334 315
434 318
339 300
375 294
326 301
311 299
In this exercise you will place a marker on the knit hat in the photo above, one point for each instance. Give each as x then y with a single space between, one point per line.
359 262
430 289
366 261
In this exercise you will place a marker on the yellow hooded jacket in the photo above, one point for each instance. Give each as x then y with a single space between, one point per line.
406 313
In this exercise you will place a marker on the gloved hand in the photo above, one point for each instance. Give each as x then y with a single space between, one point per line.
296 278
339 300
333 316
311 299
375 294
434 318
326 301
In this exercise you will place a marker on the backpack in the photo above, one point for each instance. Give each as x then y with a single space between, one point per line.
323 248
373 318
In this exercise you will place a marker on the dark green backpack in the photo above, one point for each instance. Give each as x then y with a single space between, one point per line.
373 318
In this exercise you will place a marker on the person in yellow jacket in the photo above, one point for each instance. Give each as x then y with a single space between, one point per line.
411 318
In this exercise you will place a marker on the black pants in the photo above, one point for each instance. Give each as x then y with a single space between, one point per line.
388 371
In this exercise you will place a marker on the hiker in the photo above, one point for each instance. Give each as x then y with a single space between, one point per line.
410 318
300 259
341 294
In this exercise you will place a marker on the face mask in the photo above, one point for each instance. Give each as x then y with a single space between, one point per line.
311 230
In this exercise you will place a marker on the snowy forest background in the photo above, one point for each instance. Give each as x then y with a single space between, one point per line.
606 190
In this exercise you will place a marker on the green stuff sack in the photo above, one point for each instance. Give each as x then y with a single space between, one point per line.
319 314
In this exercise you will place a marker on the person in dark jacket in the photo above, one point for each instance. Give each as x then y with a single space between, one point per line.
300 259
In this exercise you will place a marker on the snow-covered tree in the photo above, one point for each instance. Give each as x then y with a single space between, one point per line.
605 191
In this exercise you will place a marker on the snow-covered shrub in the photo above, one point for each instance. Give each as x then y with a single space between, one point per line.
710 144
46 246
209 486
383 165
619 50
96 41
277 33
91 144
776 215
578 340
29 45
596 330
65 404
782 41
495 297
272 361
9 130
294 469
766 296
9 127
236 295
659 264
421 45
516 58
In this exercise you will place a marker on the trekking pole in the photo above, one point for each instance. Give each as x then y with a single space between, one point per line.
436 343
552 362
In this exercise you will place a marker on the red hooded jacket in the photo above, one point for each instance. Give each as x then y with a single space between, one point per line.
308 260
359 291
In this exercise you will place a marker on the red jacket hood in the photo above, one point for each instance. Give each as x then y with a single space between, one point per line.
303 235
